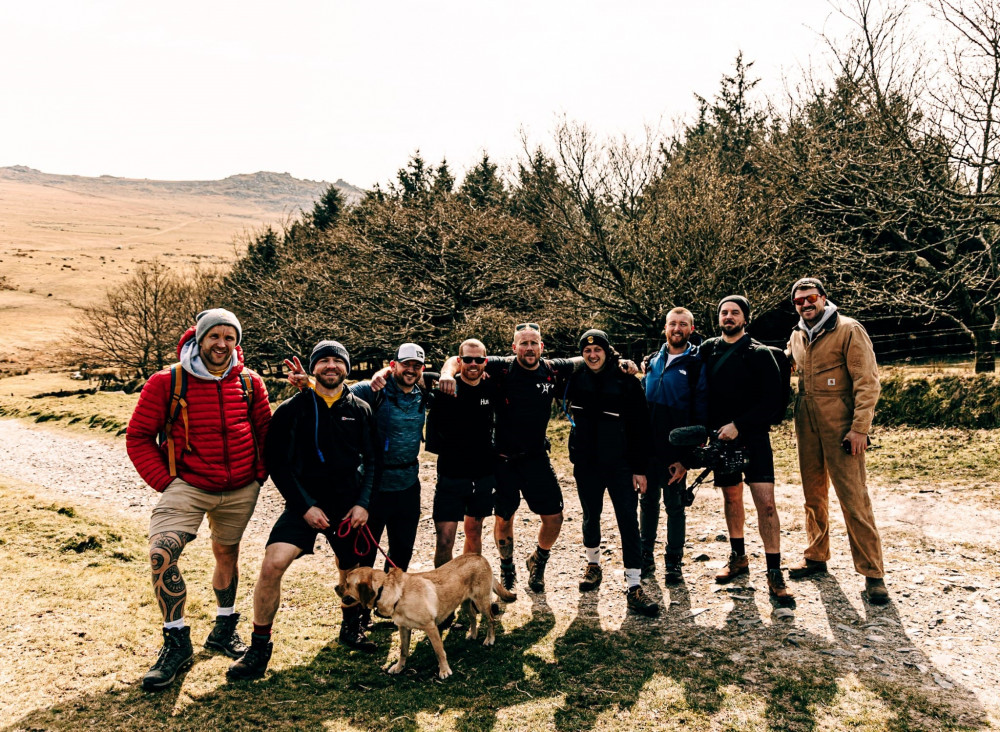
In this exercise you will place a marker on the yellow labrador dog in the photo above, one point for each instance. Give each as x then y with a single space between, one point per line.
424 599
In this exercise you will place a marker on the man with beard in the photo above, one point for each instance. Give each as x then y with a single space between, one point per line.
460 431
609 446
837 392
676 390
743 384
215 415
322 456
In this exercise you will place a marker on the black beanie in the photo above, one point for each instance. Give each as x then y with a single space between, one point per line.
743 303
324 349
594 337
807 282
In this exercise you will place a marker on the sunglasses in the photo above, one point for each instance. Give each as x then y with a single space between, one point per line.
527 326
480 360
800 301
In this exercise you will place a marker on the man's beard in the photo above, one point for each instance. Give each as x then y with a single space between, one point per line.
731 329
330 381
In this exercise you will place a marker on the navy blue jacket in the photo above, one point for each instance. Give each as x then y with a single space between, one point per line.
672 401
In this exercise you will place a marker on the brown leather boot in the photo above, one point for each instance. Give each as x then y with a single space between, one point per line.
806 568
738 564
875 591
777 588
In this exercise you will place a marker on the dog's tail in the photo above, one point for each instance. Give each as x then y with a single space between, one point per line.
503 594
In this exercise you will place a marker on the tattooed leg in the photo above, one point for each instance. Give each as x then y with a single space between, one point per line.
168 584
503 533
226 577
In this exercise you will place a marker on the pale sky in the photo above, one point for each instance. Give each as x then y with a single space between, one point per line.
325 89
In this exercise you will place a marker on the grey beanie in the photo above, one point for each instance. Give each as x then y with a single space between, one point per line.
807 282
741 301
208 319
324 349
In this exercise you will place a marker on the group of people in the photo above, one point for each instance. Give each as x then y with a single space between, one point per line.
345 457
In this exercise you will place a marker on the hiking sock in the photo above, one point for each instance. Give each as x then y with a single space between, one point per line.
773 560
739 546
174 624
543 554
221 612
593 554
633 577
262 631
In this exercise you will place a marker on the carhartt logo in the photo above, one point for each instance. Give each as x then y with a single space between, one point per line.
831 382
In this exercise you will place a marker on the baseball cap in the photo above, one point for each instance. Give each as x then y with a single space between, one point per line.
410 352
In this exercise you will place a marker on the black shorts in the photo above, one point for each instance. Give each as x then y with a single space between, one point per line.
532 477
760 461
293 529
456 498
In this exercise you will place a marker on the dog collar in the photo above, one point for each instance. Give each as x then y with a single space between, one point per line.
378 596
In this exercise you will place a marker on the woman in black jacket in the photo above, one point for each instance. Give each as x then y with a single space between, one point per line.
609 447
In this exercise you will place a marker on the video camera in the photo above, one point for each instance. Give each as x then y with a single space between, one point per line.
706 450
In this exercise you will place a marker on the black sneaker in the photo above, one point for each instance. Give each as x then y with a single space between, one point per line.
591 577
224 638
648 566
536 572
672 570
508 575
175 655
254 662
637 601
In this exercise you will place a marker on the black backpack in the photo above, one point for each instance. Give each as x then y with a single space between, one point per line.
779 409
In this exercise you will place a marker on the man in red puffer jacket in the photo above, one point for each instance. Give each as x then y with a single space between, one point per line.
216 435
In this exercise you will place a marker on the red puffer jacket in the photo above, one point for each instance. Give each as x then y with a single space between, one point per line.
223 453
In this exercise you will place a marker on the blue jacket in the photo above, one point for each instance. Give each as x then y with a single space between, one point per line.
400 420
672 402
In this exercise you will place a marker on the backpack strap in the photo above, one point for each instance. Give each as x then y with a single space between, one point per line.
694 368
246 381
176 408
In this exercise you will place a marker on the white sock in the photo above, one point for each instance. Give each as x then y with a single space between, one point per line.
175 624
593 554
221 611
632 577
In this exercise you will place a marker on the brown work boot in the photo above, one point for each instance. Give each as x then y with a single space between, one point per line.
777 589
875 591
738 564
591 577
806 568
637 601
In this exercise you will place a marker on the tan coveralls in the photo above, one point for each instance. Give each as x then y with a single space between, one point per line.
837 392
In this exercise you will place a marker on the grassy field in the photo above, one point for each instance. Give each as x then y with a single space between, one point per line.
78 613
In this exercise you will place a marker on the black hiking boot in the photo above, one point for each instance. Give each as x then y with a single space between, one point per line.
637 601
175 655
351 634
254 662
508 575
672 570
536 572
591 577
224 638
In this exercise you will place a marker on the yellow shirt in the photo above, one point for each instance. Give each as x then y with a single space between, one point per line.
331 400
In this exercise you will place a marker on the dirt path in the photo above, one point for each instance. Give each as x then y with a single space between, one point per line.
940 633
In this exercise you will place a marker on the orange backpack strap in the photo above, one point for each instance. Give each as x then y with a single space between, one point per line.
177 408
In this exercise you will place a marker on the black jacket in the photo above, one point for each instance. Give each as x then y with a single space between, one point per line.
743 388
611 419
323 456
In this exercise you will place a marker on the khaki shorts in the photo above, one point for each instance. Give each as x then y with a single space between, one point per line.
182 507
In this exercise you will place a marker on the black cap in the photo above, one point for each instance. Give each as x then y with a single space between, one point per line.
323 349
595 337
743 303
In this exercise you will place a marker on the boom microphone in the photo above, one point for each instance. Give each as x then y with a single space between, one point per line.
692 436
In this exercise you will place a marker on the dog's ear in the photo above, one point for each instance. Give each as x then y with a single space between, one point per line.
339 589
366 595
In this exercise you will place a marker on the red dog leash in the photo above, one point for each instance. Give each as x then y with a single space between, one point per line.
365 534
